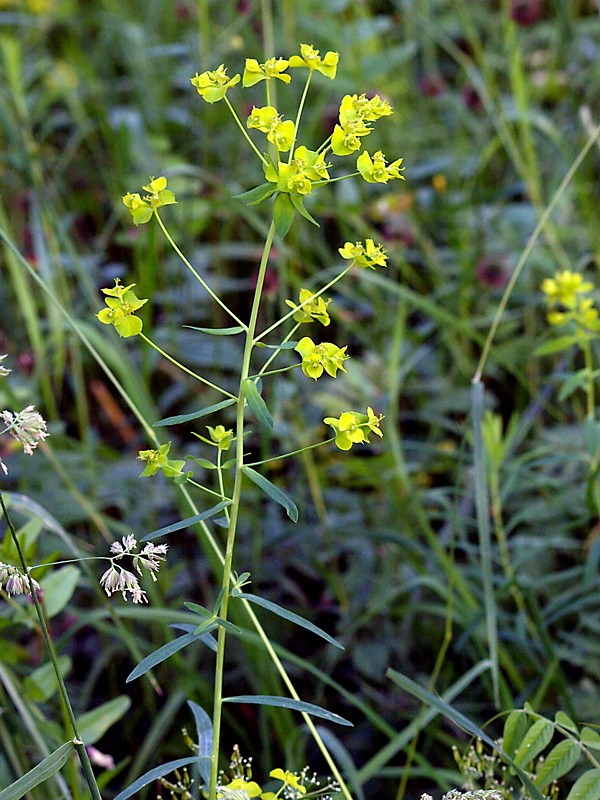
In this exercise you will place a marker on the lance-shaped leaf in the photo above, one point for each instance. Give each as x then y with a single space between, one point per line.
298 204
181 418
185 523
288 702
289 615
535 740
164 652
283 213
153 775
40 773
256 404
560 760
274 492
255 196
204 730
217 331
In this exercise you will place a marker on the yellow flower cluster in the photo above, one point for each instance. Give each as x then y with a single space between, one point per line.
567 295
122 304
353 428
158 195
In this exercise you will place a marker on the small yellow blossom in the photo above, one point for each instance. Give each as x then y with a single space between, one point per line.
221 436
272 68
263 119
282 135
315 308
368 255
309 57
212 85
353 428
122 303
376 169
564 288
318 358
158 195
567 290
289 778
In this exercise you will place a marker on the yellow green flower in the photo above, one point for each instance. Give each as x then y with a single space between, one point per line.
282 135
368 255
315 308
251 788
158 195
272 68
122 303
289 778
376 169
212 85
353 428
309 57
157 460
263 119
568 290
221 436
318 358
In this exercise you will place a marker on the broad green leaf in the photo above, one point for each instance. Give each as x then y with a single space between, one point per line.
559 761
535 740
40 773
283 213
565 721
218 331
185 523
288 702
289 615
298 204
590 738
515 727
587 787
256 404
94 724
273 492
255 196
41 684
153 775
58 587
160 655
204 731
436 702
555 345
180 418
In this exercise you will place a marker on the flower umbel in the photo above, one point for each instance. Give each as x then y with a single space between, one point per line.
141 209
122 303
311 309
309 57
272 68
15 582
212 85
368 255
353 428
28 427
376 169
318 358
157 460
567 291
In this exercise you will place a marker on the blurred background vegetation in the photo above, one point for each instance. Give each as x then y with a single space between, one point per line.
493 100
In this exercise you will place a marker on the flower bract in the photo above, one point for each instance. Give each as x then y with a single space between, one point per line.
311 309
353 428
376 169
318 358
368 255
272 68
309 57
122 304
157 460
212 85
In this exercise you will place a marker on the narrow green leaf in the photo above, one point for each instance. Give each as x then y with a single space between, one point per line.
483 527
559 761
289 615
535 740
198 609
516 726
576 381
433 701
282 346
229 626
152 775
186 523
298 204
288 702
204 731
40 773
180 418
202 462
218 331
255 196
587 787
283 213
555 345
256 404
565 721
274 492
188 628
160 655
590 738
94 724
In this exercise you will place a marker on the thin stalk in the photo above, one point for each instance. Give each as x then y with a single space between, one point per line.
301 305
274 355
198 277
244 131
234 512
206 489
77 740
589 366
292 453
186 370
299 115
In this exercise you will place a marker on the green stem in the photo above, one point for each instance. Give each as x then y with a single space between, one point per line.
245 132
589 368
262 374
77 740
274 355
198 277
206 489
299 115
292 453
185 369
234 512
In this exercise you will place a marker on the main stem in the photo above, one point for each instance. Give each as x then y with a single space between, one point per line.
234 513
77 740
